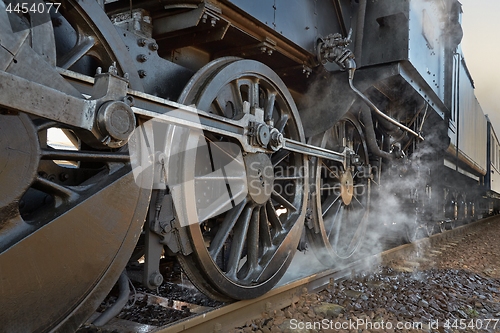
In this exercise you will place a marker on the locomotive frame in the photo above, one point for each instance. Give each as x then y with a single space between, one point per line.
224 134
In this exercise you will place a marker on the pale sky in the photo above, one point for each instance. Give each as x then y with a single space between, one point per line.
481 48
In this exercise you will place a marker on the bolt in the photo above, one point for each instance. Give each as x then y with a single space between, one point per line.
269 52
129 100
155 279
141 42
142 73
153 46
142 58
112 69
277 137
99 70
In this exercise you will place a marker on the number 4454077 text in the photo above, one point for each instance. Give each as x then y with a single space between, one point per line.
35 8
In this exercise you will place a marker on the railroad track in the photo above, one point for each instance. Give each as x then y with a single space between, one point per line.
204 319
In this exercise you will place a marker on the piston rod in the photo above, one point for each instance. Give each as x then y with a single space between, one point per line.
19 94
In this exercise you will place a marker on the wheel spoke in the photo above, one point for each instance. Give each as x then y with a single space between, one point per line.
329 169
269 109
77 52
237 99
253 241
238 242
273 217
294 177
328 203
278 157
280 124
264 231
219 108
357 200
253 93
282 200
336 222
225 228
71 155
354 239
47 186
217 178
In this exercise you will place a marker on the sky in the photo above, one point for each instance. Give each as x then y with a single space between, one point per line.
481 48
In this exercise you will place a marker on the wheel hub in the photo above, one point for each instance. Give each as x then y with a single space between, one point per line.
260 177
346 187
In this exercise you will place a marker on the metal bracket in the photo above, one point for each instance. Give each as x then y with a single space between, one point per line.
153 247
32 98
333 48
166 227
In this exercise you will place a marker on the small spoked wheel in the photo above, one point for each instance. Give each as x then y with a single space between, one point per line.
442 226
243 211
341 194
429 228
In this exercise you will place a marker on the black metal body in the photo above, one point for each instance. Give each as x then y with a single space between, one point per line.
376 90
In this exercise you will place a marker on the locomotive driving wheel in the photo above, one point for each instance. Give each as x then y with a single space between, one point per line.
241 246
70 213
341 194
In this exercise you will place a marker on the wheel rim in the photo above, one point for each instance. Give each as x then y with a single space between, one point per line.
240 253
54 213
341 222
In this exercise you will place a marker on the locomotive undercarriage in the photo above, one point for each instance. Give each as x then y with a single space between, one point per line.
98 84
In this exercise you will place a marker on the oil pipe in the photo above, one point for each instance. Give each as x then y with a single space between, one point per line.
377 111
114 310
360 27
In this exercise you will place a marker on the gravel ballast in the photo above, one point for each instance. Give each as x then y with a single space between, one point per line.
455 288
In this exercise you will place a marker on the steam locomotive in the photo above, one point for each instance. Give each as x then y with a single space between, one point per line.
227 133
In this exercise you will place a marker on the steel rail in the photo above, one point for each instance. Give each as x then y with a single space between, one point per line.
236 314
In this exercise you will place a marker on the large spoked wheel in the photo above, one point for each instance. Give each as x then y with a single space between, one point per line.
70 214
341 196
241 246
